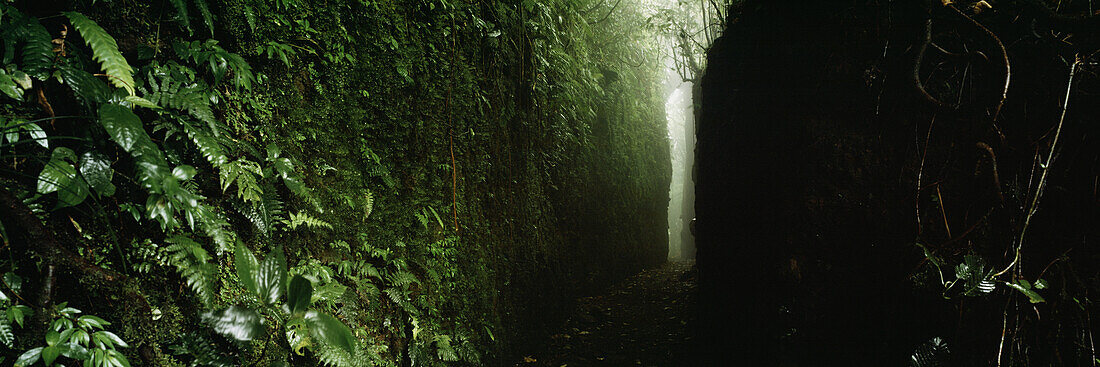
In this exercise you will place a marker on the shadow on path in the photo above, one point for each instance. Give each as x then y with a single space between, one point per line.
643 321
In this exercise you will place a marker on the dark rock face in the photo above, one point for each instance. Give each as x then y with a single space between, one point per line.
812 143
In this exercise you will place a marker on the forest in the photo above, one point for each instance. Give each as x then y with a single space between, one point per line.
549 183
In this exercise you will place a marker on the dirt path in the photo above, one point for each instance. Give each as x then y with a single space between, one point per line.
643 321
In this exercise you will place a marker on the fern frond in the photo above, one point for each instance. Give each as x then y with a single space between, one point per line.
193 264
204 353
368 206
303 218
244 173
181 14
402 279
105 50
263 214
338 357
207 17
38 54
209 146
932 353
7 337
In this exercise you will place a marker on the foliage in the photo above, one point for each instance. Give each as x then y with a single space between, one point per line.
77 337
267 280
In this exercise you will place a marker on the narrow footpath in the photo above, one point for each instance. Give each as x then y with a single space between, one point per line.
643 321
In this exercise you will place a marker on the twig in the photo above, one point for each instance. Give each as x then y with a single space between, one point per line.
993 163
1004 57
916 69
943 212
1045 166
1004 328
920 171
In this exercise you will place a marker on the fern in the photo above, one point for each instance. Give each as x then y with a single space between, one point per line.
368 206
207 17
105 50
7 337
37 47
204 353
337 357
182 14
932 353
168 91
193 264
244 173
402 279
209 147
263 214
302 218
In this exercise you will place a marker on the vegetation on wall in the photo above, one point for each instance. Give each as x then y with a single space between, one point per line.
416 172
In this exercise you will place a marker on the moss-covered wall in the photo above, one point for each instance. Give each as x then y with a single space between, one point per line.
510 155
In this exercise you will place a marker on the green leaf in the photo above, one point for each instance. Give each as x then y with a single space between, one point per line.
117 358
141 102
85 85
18 312
90 322
266 279
74 351
52 337
29 357
36 133
1041 284
1027 291
271 277
10 88
184 172
328 329
246 264
109 338
60 176
300 294
96 169
105 50
13 281
50 354
236 322
123 126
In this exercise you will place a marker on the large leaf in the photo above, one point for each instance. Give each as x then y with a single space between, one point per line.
123 125
8 86
271 277
105 50
60 176
327 329
267 279
97 170
236 322
29 357
246 264
300 294
50 354
85 85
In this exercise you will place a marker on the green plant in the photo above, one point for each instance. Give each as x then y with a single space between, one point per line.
296 319
14 312
77 337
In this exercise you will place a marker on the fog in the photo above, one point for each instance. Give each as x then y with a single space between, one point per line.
681 132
